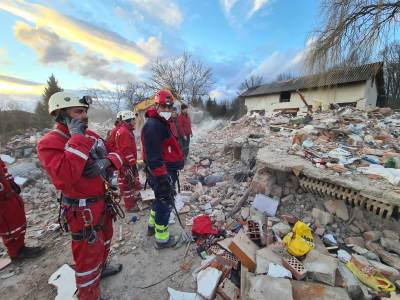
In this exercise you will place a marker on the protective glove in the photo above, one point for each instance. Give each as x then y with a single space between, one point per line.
76 126
96 167
164 186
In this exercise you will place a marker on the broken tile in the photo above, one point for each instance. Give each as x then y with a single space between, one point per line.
337 208
64 280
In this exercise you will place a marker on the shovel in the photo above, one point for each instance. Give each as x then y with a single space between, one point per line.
184 237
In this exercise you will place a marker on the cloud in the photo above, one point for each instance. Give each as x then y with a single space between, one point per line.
282 62
227 5
106 43
14 85
152 46
256 6
167 12
239 11
50 48
3 57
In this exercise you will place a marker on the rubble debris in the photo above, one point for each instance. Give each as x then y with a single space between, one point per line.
245 250
321 218
372 236
295 267
4 262
321 267
269 288
266 204
207 282
64 280
317 291
177 295
228 291
337 208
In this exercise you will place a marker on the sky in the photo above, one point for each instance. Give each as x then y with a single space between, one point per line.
97 44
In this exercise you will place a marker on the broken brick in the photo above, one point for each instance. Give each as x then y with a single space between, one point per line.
295 267
245 250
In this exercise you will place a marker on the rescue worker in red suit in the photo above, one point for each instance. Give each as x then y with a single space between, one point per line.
125 144
110 140
78 164
185 129
163 158
173 122
12 218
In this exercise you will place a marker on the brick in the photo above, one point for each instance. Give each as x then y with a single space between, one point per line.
295 266
385 256
304 290
228 291
245 250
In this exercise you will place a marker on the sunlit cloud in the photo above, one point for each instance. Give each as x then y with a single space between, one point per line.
108 44
167 12
12 85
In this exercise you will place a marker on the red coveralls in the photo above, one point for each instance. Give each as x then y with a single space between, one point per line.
125 145
64 159
110 141
12 214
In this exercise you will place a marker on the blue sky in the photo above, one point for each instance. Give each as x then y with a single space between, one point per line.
95 44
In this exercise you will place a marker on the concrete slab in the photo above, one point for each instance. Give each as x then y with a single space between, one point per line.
303 290
267 288
321 267
264 257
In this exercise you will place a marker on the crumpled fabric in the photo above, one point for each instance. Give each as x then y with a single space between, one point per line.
202 226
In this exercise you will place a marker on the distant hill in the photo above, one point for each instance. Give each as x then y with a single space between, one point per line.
14 122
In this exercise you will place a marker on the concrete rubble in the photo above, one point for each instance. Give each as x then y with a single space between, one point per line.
247 177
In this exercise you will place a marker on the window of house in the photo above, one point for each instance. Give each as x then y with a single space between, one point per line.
284 97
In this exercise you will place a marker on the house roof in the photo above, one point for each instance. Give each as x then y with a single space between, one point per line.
334 77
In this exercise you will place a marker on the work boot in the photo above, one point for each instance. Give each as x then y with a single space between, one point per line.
150 231
169 244
29 252
111 270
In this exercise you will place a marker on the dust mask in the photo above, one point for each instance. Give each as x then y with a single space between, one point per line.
165 114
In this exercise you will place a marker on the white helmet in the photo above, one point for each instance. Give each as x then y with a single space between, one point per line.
125 115
63 100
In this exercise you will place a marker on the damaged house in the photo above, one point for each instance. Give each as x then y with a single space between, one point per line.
361 87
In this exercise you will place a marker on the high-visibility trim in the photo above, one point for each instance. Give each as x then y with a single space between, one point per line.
14 238
130 156
152 220
80 274
76 152
61 133
162 233
90 282
108 242
23 227
117 155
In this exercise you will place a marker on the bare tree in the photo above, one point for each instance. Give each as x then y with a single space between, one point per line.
135 92
112 100
391 58
352 31
251 82
184 76
285 76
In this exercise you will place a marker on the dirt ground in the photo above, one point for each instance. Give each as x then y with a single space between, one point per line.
143 265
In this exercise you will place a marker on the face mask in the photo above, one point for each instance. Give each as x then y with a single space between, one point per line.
165 114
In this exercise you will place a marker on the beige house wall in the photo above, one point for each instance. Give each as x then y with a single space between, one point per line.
363 93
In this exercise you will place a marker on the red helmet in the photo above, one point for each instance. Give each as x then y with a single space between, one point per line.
164 98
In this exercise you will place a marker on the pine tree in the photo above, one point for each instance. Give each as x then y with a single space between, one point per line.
44 120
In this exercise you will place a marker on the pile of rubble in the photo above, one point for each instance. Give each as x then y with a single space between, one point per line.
266 236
